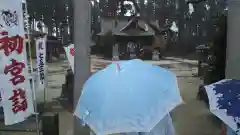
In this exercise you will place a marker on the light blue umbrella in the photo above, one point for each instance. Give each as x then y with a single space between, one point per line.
130 96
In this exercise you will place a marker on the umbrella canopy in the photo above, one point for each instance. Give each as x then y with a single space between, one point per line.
224 101
130 96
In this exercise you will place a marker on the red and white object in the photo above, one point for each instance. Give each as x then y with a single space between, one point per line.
16 94
70 55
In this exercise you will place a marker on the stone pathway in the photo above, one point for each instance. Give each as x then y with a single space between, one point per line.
57 71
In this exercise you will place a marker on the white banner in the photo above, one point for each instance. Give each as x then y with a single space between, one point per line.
70 55
16 94
1 76
41 62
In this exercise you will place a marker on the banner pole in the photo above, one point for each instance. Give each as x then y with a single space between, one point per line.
31 70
